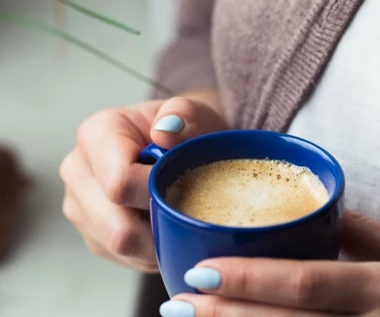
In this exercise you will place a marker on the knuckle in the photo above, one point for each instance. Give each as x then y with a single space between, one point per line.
71 212
149 267
66 167
122 241
186 102
93 125
215 307
67 208
84 131
96 249
187 106
243 283
305 286
122 189
113 190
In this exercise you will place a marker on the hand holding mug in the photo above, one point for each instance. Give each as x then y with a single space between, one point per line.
106 188
183 240
236 287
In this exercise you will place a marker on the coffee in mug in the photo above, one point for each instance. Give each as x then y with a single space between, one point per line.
247 192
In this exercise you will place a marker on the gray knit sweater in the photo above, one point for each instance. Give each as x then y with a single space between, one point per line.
264 56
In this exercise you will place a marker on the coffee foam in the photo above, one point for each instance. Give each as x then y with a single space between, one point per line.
247 192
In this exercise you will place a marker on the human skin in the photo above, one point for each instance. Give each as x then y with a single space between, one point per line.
106 189
106 199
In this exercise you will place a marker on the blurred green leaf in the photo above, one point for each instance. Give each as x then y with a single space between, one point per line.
99 16
32 24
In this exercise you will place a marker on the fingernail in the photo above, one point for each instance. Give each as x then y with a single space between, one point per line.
170 123
177 308
203 277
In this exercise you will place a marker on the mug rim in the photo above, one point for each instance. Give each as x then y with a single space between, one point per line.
193 222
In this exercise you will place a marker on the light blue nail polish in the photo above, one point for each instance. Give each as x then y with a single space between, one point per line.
203 277
170 123
175 308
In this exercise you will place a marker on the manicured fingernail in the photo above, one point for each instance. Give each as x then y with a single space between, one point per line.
175 308
202 277
170 123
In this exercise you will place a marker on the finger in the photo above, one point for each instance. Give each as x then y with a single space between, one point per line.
318 285
215 306
96 248
94 244
359 231
72 211
130 262
121 230
180 119
111 142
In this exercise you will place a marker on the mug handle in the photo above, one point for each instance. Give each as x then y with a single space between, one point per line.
151 154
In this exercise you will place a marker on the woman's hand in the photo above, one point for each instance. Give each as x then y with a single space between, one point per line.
241 287
106 194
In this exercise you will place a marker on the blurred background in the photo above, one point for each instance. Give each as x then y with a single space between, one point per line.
47 88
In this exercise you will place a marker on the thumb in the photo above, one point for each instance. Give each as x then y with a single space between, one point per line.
180 119
360 237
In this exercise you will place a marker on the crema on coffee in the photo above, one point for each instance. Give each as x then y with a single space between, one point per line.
247 192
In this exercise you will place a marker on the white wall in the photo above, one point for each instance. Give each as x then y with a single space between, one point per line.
163 19
44 96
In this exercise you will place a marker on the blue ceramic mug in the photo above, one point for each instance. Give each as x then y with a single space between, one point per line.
181 241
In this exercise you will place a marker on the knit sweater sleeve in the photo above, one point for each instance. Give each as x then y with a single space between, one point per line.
186 63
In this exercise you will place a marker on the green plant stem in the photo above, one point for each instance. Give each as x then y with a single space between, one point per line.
99 16
14 19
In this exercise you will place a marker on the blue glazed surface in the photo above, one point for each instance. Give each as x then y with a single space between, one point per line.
181 241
